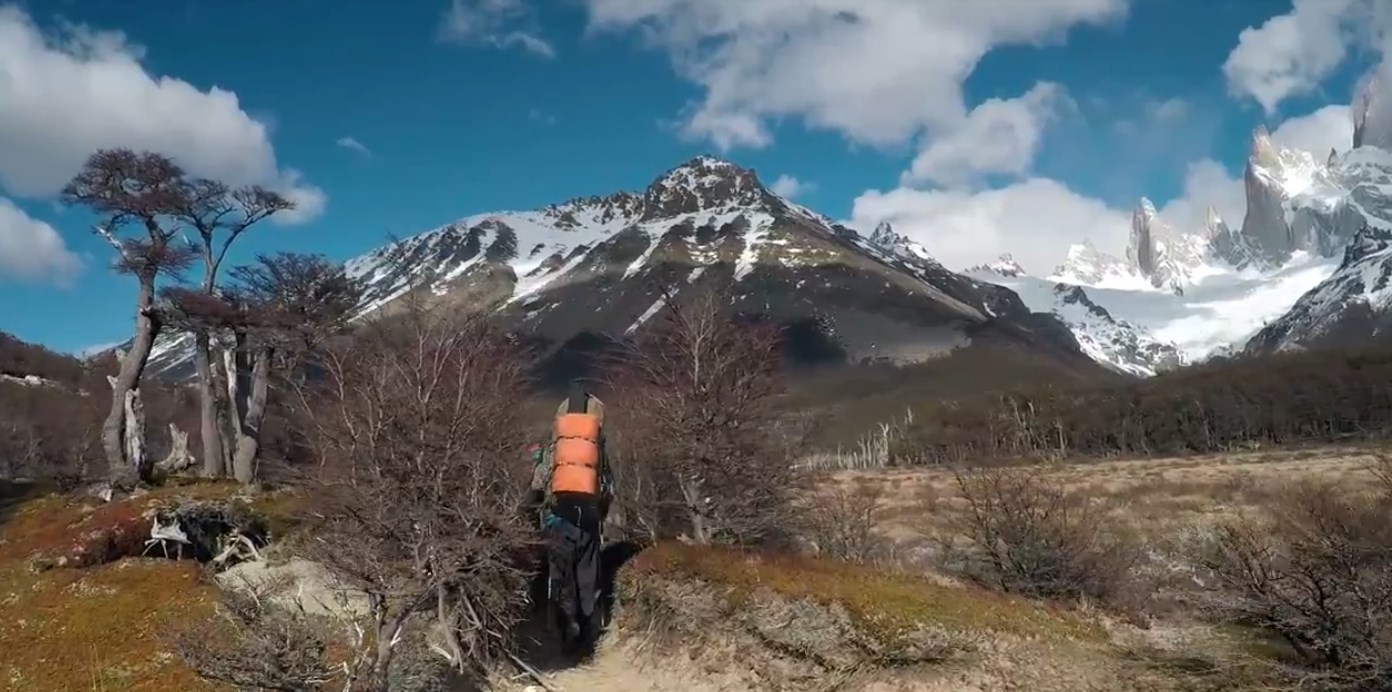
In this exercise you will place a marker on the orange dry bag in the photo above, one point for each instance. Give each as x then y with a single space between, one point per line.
575 465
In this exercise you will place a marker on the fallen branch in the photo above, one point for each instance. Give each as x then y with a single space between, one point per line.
534 673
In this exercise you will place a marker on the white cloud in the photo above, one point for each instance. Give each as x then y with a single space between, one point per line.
880 72
310 200
1206 184
31 251
499 23
998 136
1168 111
1035 220
1328 128
64 96
1290 54
790 187
352 144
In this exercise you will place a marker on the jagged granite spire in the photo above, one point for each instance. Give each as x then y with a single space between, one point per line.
1140 251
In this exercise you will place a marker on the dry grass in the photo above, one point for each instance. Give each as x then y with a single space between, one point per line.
1157 497
803 623
93 624
887 603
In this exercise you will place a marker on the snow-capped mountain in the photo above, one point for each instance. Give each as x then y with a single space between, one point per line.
606 265
1005 266
1113 342
1303 267
1085 265
1350 306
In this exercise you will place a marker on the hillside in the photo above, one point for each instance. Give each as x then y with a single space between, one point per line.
22 361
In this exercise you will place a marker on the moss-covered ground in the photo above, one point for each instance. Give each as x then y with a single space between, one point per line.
77 612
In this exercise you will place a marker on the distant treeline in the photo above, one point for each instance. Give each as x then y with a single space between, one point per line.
51 430
19 359
1315 396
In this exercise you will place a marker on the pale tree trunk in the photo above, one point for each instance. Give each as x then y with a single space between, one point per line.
122 471
691 492
135 434
213 452
250 410
133 425
225 370
178 458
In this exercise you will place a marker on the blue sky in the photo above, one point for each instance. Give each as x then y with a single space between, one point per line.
978 128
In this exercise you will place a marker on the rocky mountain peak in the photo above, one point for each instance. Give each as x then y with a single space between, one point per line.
1367 242
1086 265
702 183
1262 151
1147 208
1141 251
888 240
1213 223
604 209
1372 109
1005 265
884 236
1333 159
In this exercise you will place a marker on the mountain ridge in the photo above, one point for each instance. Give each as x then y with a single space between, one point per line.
606 264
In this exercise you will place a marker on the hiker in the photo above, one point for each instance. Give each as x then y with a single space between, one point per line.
571 482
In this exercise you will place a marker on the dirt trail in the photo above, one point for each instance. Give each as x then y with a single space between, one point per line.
1159 493
617 667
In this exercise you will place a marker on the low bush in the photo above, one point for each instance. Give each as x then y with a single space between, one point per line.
1023 532
841 523
1316 569
254 644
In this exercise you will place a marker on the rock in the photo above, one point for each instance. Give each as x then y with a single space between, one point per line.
301 582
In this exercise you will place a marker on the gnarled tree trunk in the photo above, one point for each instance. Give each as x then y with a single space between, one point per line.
178 458
123 471
208 423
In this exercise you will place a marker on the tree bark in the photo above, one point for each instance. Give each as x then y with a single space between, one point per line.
135 434
691 493
178 458
121 470
225 374
213 453
251 410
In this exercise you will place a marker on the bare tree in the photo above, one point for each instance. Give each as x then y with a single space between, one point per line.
298 302
416 425
693 398
135 196
219 215
278 311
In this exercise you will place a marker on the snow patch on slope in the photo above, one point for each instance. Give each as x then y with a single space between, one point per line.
1104 337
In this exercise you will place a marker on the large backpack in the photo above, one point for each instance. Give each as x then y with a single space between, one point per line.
576 454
